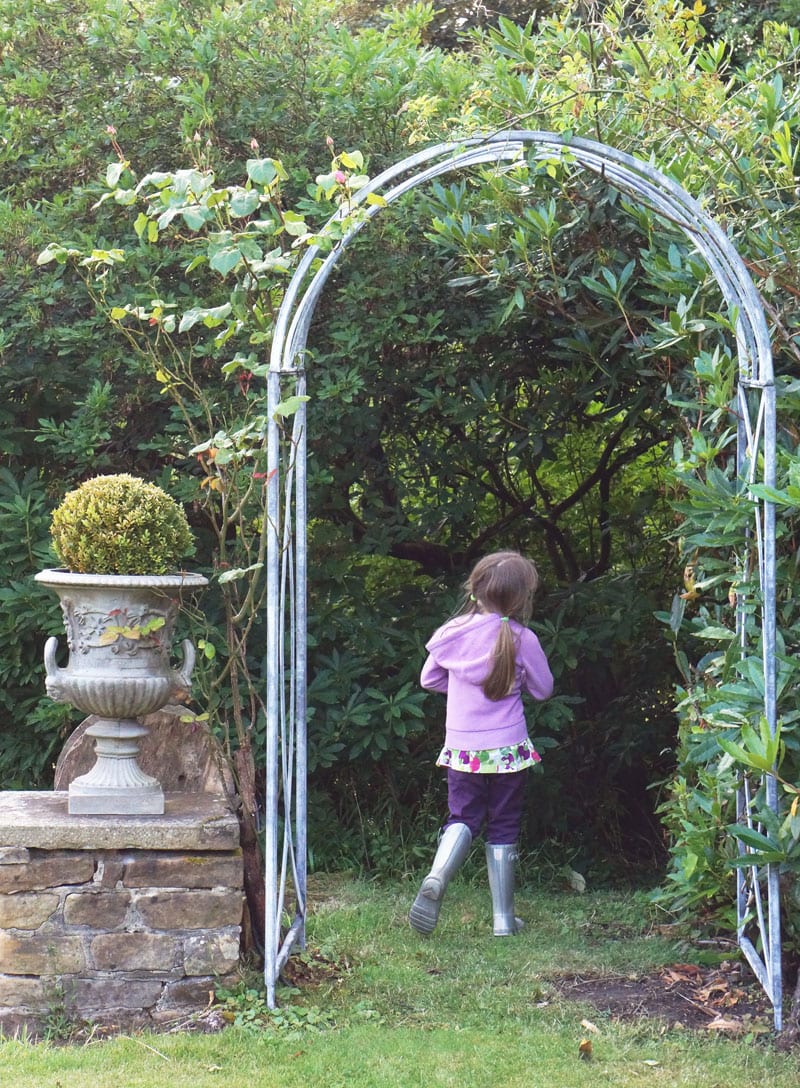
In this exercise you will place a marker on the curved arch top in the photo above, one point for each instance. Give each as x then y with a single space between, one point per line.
632 176
285 803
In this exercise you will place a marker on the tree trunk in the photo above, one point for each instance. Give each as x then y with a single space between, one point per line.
255 895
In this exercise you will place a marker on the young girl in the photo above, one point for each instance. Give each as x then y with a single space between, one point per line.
483 660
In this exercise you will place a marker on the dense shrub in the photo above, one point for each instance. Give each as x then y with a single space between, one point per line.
120 524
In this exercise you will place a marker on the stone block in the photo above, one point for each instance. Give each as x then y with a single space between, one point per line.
50 870
13 855
22 993
190 909
170 1019
27 910
15 1024
109 870
184 871
100 910
106 994
52 955
212 954
189 993
135 952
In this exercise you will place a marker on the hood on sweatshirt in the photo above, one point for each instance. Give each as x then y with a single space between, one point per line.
465 645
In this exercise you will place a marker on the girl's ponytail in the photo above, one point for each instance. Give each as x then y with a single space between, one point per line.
500 680
503 583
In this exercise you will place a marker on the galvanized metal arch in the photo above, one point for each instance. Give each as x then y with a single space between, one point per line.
287 512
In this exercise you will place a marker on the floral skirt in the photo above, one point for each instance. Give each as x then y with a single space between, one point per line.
514 757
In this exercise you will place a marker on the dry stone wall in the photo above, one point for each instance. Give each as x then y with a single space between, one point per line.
116 920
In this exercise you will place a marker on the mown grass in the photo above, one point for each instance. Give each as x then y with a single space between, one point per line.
460 1008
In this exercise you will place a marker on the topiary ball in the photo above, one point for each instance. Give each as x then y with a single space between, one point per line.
120 525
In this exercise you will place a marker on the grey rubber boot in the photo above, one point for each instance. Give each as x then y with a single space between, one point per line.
500 863
454 845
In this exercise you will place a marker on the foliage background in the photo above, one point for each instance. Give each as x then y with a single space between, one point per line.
506 360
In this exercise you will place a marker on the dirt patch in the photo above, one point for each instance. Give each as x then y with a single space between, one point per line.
310 969
682 995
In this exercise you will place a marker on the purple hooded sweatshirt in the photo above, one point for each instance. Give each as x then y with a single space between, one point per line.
460 658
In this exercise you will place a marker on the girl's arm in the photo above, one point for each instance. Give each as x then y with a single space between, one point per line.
433 676
537 678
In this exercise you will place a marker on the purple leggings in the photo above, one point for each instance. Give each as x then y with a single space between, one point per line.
493 799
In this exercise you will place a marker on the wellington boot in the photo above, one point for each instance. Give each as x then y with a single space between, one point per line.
454 845
500 863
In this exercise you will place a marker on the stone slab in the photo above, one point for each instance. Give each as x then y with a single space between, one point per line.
135 952
100 910
194 993
183 871
211 954
41 955
93 995
13 855
191 821
206 909
27 910
22 993
47 870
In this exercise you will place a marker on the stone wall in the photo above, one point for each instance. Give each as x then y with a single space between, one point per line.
115 920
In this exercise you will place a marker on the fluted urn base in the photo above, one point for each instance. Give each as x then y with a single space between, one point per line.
116 784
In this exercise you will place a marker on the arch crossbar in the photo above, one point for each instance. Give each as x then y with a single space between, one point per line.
285 804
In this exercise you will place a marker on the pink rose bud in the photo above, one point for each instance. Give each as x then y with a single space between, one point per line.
329 142
339 177
254 144
111 130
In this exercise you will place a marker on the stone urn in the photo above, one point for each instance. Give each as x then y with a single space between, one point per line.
119 633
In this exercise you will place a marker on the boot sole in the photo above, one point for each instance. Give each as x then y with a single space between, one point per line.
424 913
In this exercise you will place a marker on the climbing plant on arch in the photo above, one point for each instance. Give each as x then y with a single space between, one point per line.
758 907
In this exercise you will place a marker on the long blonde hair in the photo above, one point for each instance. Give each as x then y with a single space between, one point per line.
503 583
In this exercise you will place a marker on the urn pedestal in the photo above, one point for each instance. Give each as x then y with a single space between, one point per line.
119 633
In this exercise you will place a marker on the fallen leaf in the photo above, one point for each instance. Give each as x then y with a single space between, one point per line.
690 969
589 1026
681 973
720 1023
725 995
585 1050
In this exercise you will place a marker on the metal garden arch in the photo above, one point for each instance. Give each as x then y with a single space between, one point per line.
285 804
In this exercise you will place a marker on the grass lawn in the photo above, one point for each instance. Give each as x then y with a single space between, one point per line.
377 1006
